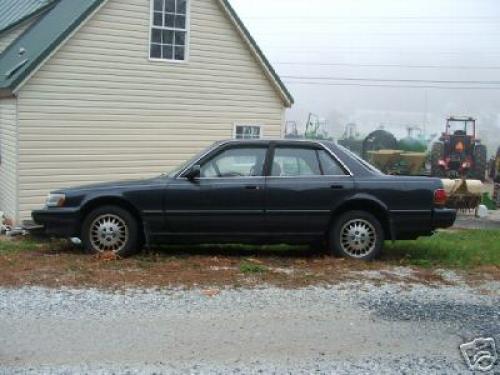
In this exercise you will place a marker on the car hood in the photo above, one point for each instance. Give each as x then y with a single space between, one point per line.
116 184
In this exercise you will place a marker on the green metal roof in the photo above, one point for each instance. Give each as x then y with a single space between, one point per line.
14 12
35 44
59 19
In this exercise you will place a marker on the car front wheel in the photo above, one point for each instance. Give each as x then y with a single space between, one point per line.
110 229
358 235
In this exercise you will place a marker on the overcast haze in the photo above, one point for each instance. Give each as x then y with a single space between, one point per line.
389 62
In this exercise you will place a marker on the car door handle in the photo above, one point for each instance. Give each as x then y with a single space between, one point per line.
337 187
252 187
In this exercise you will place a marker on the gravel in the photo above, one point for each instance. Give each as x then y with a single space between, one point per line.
467 220
350 328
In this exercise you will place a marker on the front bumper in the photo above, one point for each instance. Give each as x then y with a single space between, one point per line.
443 217
59 222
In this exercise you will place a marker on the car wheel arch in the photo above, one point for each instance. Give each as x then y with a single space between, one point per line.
92 204
367 204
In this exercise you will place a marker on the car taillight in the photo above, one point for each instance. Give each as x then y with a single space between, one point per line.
440 197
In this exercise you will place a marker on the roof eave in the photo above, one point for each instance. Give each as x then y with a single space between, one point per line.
6 93
285 94
28 17
14 85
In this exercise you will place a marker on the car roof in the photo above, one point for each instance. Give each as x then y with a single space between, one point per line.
266 141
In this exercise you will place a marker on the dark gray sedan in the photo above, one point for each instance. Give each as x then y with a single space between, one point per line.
259 191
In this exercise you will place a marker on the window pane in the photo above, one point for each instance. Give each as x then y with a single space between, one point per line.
180 22
168 37
156 36
236 162
181 6
168 31
179 53
247 132
168 52
169 20
329 165
180 38
208 171
158 6
157 19
170 6
295 162
156 51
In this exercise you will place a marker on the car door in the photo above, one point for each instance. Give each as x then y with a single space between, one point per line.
304 184
226 200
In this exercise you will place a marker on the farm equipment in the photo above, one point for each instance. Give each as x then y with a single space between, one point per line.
496 179
415 141
398 162
351 139
463 194
381 149
315 128
379 140
458 153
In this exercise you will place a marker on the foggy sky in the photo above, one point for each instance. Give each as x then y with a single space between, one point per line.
337 42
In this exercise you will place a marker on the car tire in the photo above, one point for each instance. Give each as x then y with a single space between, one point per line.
111 229
357 235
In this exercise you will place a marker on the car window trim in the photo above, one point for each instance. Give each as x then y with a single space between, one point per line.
314 146
270 156
342 166
319 163
297 158
221 148
212 161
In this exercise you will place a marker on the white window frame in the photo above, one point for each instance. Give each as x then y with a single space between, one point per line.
239 124
187 30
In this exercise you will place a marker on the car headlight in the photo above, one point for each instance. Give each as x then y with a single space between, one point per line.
55 200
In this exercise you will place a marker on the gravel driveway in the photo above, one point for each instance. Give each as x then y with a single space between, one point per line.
350 328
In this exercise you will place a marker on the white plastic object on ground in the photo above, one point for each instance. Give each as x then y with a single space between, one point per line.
482 211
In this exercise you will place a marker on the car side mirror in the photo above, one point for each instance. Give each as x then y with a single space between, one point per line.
194 172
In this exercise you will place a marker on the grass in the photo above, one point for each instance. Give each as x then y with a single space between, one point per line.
459 249
28 261
251 268
15 246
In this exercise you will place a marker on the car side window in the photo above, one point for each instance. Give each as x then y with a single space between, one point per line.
235 162
329 165
295 161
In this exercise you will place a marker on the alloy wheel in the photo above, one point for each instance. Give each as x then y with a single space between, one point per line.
109 233
358 238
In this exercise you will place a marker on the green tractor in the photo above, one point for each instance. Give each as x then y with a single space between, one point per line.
458 153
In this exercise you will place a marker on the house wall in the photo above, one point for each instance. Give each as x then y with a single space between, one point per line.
8 203
9 36
100 110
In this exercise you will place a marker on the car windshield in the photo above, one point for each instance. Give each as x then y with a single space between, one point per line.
363 162
184 165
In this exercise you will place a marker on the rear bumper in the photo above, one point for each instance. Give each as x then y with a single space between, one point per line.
59 222
443 218
409 225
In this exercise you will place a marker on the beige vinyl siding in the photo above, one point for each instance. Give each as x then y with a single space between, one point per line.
8 199
9 36
100 110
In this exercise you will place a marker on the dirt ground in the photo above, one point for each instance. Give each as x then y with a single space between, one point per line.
57 264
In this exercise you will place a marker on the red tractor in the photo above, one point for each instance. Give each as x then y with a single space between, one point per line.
459 154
